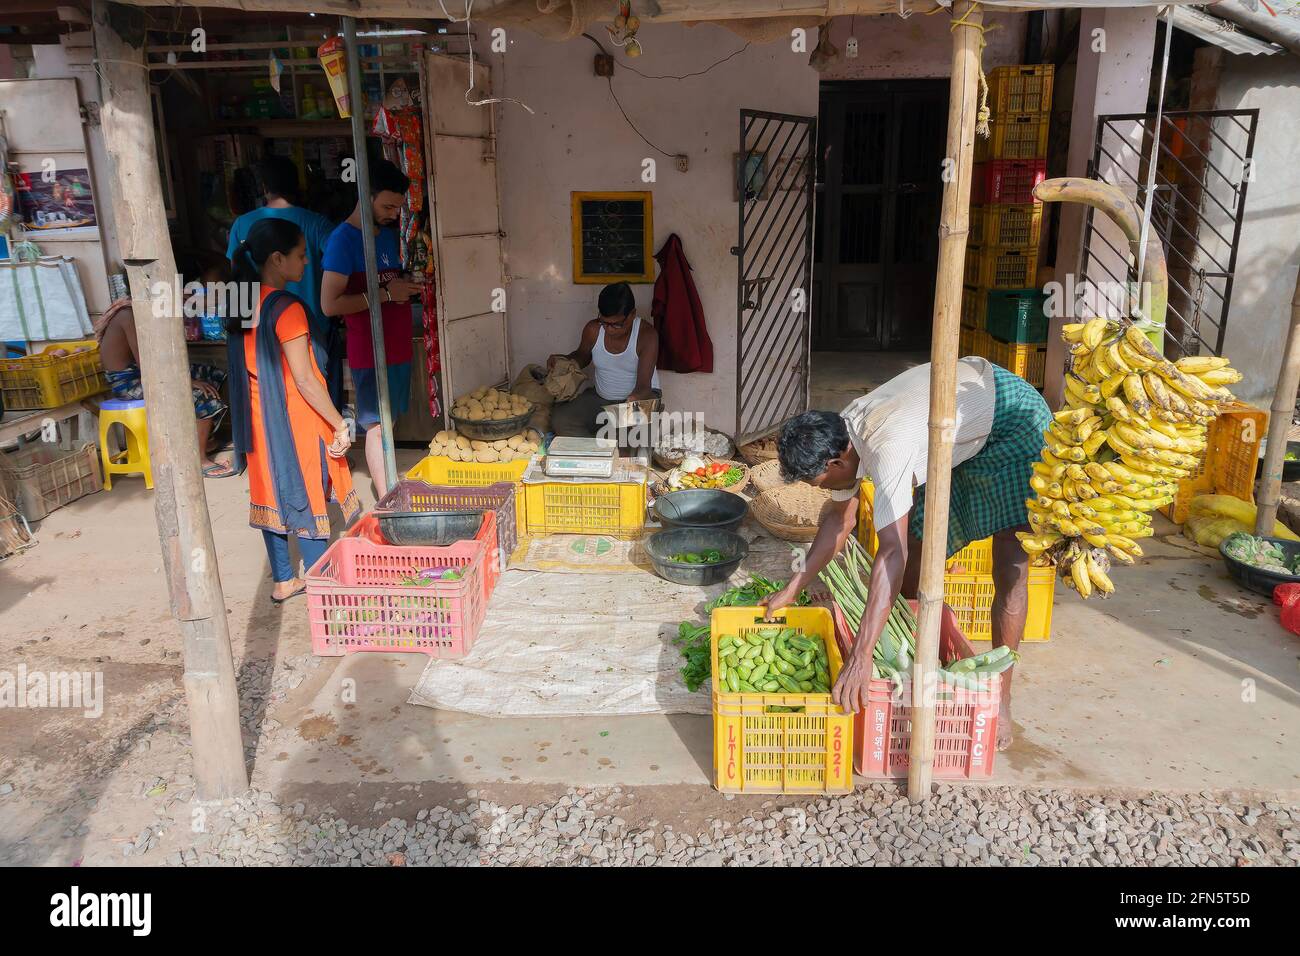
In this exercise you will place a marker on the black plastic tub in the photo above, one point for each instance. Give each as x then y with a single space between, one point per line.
1257 579
662 545
701 508
1290 469
429 529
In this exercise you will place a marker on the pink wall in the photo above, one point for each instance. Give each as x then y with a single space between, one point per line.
919 47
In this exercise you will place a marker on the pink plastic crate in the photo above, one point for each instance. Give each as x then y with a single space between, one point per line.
356 600
965 722
367 526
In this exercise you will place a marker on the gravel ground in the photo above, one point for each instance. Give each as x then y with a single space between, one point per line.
874 826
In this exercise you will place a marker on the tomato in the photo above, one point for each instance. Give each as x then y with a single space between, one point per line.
701 473
717 467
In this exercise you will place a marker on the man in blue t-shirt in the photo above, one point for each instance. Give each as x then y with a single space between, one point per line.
343 292
279 178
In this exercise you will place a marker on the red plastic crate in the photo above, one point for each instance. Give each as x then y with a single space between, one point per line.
965 722
356 601
1007 180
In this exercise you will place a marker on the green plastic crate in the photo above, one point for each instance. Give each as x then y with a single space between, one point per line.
1016 315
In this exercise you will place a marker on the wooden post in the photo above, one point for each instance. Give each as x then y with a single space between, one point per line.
967 40
357 99
1279 422
180 504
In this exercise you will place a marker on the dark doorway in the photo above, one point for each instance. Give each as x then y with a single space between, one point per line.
879 190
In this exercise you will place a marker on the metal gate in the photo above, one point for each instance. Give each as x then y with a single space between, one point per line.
1205 164
774 192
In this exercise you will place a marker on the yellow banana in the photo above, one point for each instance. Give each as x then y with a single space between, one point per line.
1070 417
1086 427
1075 472
1200 364
1155 388
1079 575
1136 395
1222 376
1037 543
1107 487
1100 580
1115 359
1141 344
1073 332
1048 489
1113 384
1094 442
1122 413
1079 509
1068 452
1094 332
1100 368
1125 544
1061 509
1068 528
1123 557
1133 358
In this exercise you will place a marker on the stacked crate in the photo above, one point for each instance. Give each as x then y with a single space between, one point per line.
1002 312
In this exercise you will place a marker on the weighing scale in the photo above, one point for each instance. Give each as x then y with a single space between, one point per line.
580 458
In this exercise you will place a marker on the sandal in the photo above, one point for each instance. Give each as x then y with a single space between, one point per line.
278 601
219 470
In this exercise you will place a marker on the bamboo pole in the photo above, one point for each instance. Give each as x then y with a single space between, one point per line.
967 41
180 504
357 100
1279 422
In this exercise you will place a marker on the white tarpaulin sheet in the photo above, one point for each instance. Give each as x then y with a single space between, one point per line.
565 645
42 301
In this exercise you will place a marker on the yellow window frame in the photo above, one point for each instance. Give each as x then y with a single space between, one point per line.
576 200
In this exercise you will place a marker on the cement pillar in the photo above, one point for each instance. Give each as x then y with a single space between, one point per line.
1110 78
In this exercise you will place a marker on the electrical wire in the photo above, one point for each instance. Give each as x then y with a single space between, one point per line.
633 125
671 76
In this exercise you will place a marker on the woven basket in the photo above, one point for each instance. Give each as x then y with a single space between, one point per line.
767 475
779 509
756 452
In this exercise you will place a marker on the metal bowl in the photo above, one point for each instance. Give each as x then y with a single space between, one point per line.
429 528
701 508
490 430
662 545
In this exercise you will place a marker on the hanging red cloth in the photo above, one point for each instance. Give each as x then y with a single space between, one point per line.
684 344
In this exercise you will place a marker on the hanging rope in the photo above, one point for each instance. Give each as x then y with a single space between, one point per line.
984 114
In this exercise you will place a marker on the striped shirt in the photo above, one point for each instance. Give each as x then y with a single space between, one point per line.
889 428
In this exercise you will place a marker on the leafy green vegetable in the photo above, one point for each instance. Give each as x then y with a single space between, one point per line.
693 639
748 595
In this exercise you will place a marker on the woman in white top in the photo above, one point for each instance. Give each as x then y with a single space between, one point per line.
622 351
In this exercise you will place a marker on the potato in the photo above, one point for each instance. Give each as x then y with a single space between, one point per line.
437 448
514 441
454 452
478 414
499 444
463 442
533 435
443 437
486 455
476 444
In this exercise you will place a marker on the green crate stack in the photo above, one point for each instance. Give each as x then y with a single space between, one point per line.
999 299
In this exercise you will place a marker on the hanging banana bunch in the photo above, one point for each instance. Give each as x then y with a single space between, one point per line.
1134 425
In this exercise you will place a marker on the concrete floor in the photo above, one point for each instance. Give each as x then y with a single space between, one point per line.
1182 681
840 377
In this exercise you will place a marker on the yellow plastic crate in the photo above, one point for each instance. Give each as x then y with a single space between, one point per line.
968 583
1000 267
967 343
1014 136
612 508
1231 458
1021 88
48 381
974 308
441 470
1006 224
758 752
1026 359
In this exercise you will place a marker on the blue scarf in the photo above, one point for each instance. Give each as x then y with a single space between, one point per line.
286 475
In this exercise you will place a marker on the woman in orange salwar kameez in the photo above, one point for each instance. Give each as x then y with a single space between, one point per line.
284 422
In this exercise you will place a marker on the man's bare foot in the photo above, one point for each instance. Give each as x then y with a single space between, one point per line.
1005 732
